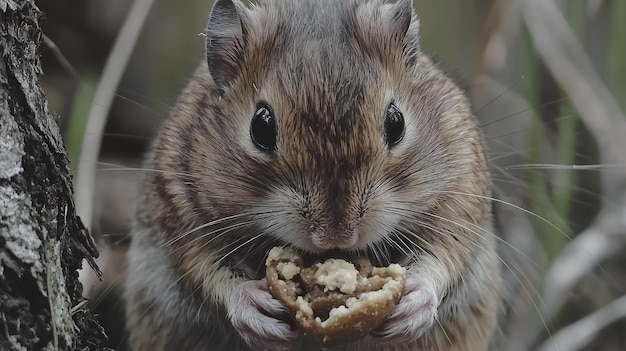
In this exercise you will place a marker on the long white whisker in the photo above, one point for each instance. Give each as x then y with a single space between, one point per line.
239 246
593 167
222 231
215 222
509 204
392 242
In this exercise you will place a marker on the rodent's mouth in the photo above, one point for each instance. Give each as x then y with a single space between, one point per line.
373 255
335 237
380 253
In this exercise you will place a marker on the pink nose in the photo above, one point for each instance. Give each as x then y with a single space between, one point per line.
333 238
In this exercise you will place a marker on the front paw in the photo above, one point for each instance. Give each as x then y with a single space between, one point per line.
413 315
256 315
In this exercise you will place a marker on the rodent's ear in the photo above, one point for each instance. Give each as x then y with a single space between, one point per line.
396 18
225 42
391 22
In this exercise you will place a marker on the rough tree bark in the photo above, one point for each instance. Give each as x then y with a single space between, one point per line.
42 241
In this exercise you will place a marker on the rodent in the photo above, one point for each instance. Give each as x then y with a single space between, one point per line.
321 125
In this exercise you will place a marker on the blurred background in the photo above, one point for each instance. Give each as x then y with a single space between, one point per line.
547 80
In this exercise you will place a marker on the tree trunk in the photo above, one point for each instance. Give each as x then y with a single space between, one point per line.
42 241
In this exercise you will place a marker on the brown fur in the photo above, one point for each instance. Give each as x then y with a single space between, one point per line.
329 93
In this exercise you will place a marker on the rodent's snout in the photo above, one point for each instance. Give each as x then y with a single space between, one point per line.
334 237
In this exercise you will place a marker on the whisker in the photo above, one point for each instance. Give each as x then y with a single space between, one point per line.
222 231
513 270
408 251
509 204
498 96
517 113
239 246
214 222
592 167
141 169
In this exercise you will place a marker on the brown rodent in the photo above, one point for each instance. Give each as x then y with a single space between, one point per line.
317 124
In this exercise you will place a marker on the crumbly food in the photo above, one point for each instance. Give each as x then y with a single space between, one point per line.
334 301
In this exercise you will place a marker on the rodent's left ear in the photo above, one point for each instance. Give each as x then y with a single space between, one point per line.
225 42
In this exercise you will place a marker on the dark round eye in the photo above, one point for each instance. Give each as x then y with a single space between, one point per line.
394 125
263 128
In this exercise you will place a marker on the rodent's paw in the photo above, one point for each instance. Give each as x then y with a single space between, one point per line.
255 315
413 315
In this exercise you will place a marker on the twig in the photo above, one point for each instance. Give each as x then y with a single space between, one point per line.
103 98
572 69
577 335
58 54
105 92
567 61
602 239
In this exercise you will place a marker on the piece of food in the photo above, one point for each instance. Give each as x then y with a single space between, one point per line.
334 301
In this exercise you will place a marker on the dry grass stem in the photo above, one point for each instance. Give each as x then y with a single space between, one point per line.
103 98
577 335
572 69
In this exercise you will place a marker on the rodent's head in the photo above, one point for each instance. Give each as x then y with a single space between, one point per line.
322 125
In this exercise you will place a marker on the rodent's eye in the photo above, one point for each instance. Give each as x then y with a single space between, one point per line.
394 125
263 128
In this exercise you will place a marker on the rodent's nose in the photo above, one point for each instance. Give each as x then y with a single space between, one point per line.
335 237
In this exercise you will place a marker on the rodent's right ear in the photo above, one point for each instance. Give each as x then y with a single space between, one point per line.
225 42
